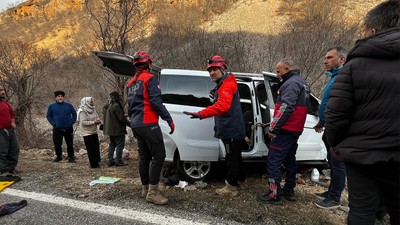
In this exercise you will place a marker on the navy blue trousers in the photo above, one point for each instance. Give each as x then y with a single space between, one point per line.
282 151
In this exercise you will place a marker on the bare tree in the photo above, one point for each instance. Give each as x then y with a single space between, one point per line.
317 27
119 23
21 67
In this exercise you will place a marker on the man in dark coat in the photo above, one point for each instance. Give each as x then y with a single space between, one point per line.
115 124
286 127
362 117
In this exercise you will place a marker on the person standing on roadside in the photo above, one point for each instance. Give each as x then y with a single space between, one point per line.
114 126
229 123
334 60
362 117
144 108
286 127
88 121
9 148
62 116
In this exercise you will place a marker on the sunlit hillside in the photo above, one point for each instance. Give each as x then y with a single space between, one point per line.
65 27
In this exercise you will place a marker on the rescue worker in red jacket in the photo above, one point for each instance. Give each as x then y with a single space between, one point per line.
144 108
286 127
229 123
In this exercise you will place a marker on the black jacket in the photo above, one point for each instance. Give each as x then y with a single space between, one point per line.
363 111
115 122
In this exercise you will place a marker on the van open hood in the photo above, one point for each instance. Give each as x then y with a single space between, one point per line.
119 64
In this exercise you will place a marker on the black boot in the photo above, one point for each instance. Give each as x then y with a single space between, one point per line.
288 195
120 163
111 163
57 159
272 196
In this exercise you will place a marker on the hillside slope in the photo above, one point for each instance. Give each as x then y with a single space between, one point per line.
65 27
270 16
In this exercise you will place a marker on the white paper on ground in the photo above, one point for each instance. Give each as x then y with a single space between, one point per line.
182 184
104 180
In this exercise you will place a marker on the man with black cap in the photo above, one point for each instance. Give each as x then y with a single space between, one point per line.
62 115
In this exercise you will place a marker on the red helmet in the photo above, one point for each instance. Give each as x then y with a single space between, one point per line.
216 61
141 57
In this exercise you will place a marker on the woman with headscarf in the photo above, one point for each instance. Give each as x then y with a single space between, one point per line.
88 121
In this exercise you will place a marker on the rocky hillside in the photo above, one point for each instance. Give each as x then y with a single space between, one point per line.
64 26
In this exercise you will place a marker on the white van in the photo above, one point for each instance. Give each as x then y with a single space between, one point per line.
193 146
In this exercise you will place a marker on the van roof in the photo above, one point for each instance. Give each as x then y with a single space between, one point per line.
182 72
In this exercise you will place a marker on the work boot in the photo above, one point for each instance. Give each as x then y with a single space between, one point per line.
145 190
154 196
228 190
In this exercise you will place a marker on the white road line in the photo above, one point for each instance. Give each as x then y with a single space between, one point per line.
103 209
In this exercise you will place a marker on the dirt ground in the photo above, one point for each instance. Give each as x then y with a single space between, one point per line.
72 180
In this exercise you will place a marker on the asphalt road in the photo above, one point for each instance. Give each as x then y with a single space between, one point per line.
39 212
45 209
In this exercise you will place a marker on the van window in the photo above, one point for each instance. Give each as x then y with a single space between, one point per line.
186 90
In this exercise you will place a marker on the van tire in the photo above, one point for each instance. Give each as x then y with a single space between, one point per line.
192 171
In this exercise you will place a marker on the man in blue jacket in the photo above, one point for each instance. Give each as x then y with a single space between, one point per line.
334 60
62 115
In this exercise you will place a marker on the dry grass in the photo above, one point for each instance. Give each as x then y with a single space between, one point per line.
72 180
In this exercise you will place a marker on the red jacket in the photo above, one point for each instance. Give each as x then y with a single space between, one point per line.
6 114
291 104
144 100
229 123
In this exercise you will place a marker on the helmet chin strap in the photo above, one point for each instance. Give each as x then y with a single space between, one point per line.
224 75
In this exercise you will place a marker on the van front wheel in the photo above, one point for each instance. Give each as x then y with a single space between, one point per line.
192 171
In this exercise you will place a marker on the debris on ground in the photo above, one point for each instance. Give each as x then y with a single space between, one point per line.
200 184
189 188
182 184
104 180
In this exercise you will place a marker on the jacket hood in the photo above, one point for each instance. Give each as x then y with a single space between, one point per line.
385 44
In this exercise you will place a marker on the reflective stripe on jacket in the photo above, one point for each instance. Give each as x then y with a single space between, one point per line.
144 100
291 104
